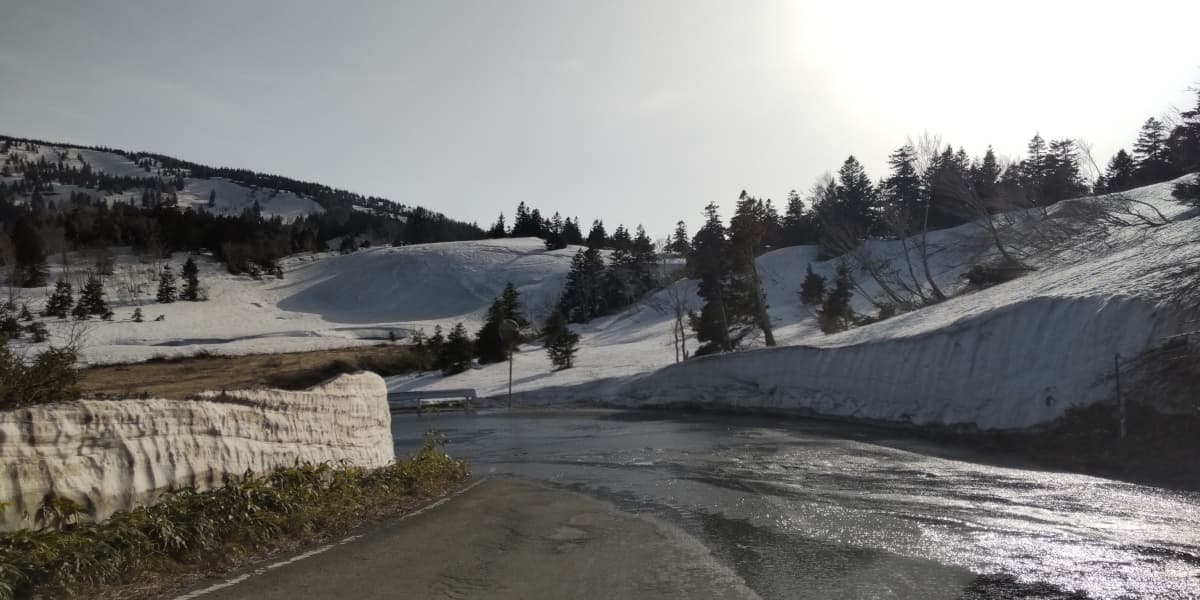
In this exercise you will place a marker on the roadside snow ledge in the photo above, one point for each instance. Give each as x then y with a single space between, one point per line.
115 455
1014 367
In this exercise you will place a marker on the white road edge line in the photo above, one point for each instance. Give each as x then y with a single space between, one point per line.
299 557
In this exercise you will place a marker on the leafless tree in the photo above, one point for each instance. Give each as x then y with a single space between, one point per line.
846 239
1120 209
676 300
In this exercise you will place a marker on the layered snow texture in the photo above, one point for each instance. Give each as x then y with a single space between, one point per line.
116 455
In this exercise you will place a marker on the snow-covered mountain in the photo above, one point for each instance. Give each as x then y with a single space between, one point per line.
215 195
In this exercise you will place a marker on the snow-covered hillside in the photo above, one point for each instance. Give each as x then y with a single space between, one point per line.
324 300
1012 355
215 195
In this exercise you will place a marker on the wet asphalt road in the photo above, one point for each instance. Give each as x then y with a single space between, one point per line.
802 509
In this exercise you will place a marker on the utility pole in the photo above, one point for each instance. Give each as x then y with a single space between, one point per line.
510 332
1120 398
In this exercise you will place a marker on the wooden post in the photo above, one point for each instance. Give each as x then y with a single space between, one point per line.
510 357
1120 398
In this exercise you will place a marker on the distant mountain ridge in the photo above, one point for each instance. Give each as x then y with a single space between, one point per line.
66 197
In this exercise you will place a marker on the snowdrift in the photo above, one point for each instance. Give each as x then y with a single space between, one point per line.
1016 367
116 455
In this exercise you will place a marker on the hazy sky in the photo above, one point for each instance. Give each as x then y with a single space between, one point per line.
633 111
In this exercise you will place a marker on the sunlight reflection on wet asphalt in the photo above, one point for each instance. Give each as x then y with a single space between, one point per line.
806 509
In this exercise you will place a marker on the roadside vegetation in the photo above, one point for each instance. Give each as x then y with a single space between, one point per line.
181 377
140 552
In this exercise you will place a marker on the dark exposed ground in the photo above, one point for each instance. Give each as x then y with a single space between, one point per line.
178 378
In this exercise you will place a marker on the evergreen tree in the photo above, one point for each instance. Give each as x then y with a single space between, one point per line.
680 244
91 297
191 281
835 314
25 315
435 345
527 223
571 234
1120 174
61 300
561 343
554 233
1185 154
137 315
812 289
1184 141
1062 175
538 225
420 350
747 231
618 277
710 263
1151 155
10 327
38 332
166 286
948 176
456 353
621 240
902 190
488 346
597 238
1033 169
80 312
583 296
985 175
856 197
798 227
498 230
643 260
630 271
29 255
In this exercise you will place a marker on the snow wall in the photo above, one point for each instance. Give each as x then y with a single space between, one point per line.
116 455
1014 367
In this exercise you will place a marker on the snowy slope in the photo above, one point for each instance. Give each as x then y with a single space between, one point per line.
230 198
326 300
1012 355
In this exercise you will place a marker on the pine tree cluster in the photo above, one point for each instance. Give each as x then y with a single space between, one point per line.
598 287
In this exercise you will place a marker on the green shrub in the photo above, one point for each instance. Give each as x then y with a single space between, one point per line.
49 377
187 529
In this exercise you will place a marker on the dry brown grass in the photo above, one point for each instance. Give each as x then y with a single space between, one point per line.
180 378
